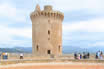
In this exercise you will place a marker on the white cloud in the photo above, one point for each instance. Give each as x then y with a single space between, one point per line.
7 33
7 10
94 30
11 14
23 32
101 43
70 5
10 11
96 25
4 34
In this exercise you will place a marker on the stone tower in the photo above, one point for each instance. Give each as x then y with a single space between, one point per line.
46 31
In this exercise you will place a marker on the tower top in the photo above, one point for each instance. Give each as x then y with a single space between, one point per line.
47 12
48 8
37 7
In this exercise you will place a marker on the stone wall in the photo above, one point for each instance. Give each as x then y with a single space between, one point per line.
46 31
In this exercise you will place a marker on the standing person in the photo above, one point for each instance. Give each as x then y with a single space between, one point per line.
80 56
83 55
0 55
75 55
21 55
6 55
101 55
96 55
88 55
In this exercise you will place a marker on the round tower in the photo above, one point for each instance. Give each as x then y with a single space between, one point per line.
46 31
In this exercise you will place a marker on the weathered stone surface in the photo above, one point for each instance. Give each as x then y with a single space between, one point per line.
46 31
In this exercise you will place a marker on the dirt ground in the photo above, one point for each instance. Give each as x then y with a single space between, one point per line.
54 66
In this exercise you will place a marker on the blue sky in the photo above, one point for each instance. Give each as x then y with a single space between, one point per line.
83 25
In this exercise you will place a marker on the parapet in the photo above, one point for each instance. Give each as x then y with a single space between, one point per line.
47 12
47 8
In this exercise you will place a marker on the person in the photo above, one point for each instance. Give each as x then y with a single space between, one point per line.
80 56
6 55
88 55
75 55
21 56
84 56
96 55
0 55
101 55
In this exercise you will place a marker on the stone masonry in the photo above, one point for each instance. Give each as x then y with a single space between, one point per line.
46 31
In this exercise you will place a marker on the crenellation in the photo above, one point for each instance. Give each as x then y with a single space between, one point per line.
47 8
49 14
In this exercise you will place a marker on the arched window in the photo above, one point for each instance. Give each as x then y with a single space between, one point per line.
48 51
59 48
37 47
48 32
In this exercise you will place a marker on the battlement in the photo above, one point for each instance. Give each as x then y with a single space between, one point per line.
47 12
47 8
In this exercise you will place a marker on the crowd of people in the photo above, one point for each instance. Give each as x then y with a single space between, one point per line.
86 55
6 55
99 55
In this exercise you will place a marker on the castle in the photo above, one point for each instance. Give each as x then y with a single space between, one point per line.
46 31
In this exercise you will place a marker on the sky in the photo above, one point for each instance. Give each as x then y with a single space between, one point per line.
83 24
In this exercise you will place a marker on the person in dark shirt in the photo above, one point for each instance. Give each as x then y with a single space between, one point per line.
96 55
80 56
88 55
75 55
84 56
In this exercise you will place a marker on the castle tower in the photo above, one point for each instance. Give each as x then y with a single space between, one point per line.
46 31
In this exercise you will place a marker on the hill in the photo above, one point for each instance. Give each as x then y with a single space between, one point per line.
66 49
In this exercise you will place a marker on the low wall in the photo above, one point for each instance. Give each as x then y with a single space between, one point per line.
6 62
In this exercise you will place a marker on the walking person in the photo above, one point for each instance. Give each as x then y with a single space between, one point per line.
21 56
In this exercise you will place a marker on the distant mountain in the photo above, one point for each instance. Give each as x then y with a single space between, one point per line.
72 49
17 50
66 49
95 49
24 49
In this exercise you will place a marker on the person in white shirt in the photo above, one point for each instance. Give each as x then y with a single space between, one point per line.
21 55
